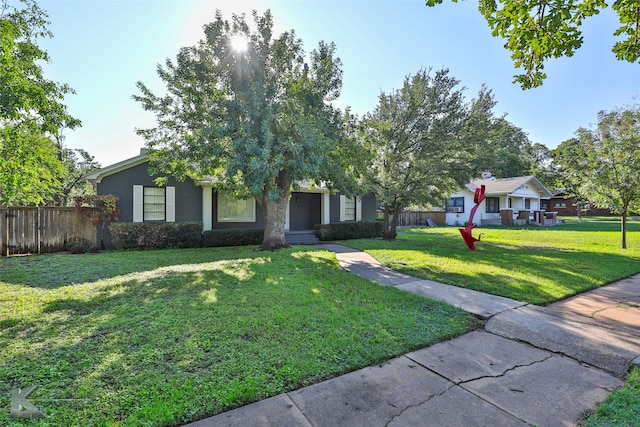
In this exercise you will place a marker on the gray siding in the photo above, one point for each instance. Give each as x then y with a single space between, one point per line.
305 208
369 210
334 208
188 203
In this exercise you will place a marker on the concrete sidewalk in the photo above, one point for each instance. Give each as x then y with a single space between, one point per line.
545 366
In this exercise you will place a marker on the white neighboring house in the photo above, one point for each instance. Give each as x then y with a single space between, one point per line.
517 194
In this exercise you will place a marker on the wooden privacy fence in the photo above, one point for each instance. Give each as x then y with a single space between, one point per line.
26 230
414 218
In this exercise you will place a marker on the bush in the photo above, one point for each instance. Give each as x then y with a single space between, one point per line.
350 230
81 248
76 247
189 235
142 235
232 237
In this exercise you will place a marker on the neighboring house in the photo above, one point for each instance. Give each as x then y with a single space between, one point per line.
568 206
141 200
507 200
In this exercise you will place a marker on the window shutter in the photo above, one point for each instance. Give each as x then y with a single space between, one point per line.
358 209
171 204
138 200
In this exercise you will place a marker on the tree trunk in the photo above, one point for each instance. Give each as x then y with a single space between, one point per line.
394 220
624 229
386 234
390 217
275 215
579 213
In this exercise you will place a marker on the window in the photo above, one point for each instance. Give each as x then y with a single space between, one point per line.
456 204
350 209
527 203
231 209
561 204
493 204
154 204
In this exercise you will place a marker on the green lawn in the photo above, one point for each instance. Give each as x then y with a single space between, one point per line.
621 408
538 265
166 337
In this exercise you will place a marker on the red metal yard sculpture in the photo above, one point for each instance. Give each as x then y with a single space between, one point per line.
469 240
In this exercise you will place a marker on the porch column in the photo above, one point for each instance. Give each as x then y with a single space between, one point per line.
207 207
325 215
287 223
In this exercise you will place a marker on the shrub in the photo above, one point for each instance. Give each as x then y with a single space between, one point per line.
189 234
76 247
93 249
232 237
124 235
81 248
142 235
350 230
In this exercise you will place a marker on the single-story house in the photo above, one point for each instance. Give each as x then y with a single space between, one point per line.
568 206
508 200
141 200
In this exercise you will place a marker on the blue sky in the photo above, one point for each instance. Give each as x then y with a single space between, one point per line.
102 48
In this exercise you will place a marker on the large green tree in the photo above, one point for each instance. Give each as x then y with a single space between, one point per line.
602 165
31 108
30 172
506 150
253 111
422 141
538 30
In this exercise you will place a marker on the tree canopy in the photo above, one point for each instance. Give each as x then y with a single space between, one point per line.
423 142
31 108
258 119
602 165
538 30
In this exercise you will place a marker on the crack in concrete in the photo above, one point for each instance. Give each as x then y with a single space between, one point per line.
619 305
418 404
524 365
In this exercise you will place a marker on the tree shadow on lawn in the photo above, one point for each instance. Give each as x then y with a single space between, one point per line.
538 275
542 276
180 342
55 270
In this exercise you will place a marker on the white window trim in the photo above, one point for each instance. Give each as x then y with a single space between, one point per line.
343 208
138 204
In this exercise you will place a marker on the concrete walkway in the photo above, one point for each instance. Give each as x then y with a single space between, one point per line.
544 366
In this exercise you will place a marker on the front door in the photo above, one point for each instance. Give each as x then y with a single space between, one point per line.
304 211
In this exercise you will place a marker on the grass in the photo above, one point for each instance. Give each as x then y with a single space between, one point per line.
535 264
159 338
621 408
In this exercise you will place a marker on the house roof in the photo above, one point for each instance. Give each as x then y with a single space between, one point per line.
509 185
98 175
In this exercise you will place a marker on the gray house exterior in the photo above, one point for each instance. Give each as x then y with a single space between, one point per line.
142 200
